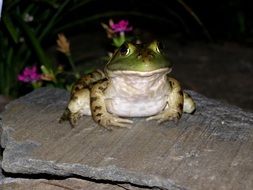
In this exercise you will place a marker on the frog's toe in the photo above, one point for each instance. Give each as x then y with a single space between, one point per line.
73 118
120 122
165 116
160 118
115 121
62 119
64 116
73 122
123 125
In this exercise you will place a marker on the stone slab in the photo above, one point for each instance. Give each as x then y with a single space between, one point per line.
67 184
1 173
211 149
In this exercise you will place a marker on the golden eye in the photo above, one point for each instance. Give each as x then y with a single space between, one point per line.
159 47
124 49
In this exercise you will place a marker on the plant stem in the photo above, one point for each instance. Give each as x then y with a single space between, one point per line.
72 64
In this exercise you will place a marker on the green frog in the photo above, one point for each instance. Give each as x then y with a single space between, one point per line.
134 83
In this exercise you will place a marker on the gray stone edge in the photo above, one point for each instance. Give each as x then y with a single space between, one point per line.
110 172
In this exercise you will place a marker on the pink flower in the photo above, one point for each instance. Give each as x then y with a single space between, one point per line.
121 26
29 75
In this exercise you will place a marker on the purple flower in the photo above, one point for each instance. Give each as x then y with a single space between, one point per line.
29 75
121 26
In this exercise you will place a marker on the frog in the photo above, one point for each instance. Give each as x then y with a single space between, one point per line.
134 83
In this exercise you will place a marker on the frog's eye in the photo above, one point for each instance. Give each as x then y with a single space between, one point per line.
124 49
159 47
156 46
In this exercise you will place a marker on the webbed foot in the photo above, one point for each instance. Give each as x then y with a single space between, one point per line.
172 115
108 121
71 117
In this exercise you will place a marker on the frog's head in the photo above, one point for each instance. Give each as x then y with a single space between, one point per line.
138 58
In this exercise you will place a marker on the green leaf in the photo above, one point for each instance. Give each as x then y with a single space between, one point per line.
53 20
51 3
35 43
7 5
9 70
11 28
189 10
79 4
109 14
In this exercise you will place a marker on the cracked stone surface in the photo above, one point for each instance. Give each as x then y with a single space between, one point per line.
69 184
211 149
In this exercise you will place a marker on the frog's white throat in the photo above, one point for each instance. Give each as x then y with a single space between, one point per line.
138 80
161 71
137 94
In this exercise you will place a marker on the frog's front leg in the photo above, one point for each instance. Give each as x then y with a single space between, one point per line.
175 103
99 111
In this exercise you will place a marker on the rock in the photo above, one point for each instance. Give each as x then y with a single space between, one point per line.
211 149
67 184
1 173
3 101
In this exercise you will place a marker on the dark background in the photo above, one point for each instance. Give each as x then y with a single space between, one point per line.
227 20
209 41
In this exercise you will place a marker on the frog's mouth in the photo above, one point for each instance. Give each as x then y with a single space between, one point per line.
161 71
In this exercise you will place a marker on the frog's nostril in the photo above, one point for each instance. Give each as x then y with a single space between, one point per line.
145 56
150 56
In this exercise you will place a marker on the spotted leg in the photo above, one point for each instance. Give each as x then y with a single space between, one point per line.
99 111
175 103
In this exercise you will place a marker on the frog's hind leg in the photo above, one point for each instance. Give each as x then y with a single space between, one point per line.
79 103
189 104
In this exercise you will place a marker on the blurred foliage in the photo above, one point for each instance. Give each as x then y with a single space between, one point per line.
227 20
25 27
28 28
